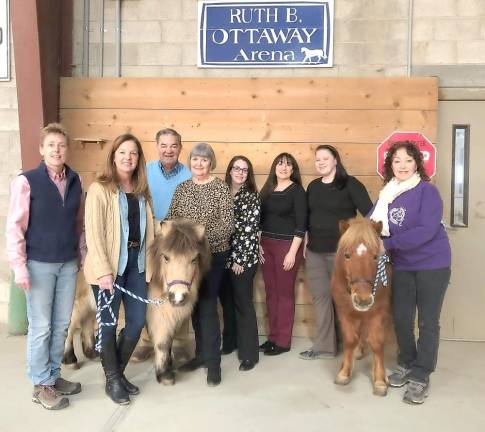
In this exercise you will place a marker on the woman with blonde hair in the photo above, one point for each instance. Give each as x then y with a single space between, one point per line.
119 230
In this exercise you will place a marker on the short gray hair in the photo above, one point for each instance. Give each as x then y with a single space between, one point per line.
204 150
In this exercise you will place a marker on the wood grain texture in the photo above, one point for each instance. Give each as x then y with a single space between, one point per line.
337 126
393 93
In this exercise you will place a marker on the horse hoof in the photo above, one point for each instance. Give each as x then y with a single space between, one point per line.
90 353
70 359
166 378
380 389
341 380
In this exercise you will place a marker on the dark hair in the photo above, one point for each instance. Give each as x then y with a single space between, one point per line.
250 182
341 176
272 181
168 131
412 150
109 177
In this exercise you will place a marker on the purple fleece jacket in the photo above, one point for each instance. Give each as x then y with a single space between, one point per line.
418 239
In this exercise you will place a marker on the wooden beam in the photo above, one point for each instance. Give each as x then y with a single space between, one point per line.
394 93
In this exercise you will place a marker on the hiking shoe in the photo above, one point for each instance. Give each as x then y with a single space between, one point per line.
399 376
315 355
49 398
67 388
416 392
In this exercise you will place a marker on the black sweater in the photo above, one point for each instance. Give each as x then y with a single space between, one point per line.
284 214
327 205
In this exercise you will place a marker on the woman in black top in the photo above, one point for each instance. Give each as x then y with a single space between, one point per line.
283 222
240 325
332 197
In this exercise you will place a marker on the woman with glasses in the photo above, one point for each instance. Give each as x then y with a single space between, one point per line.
283 225
240 325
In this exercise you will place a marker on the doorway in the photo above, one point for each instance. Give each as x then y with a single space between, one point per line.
463 315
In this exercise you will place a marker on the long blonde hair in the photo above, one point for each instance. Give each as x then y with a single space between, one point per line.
109 177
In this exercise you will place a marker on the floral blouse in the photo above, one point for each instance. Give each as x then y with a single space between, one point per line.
245 240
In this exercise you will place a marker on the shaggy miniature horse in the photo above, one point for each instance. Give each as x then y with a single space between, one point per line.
181 257
83 317
364 315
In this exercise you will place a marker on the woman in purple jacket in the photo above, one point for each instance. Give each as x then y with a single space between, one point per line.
411 210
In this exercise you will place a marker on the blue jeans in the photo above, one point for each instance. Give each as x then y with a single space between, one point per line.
49 309
135 310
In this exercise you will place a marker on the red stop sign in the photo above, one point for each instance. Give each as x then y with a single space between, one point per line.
426 147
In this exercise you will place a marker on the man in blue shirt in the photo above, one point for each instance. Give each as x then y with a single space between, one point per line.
166 173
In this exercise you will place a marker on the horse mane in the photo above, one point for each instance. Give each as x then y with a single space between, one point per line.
181 238
359 230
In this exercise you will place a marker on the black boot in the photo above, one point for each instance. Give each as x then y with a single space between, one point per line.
126 346
109 359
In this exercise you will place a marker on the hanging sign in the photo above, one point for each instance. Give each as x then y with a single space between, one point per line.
265 34
4 41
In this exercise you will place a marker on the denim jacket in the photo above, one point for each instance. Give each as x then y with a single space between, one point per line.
125 232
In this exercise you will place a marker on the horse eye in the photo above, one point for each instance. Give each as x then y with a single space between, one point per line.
375 257
347 255
166 258
194 260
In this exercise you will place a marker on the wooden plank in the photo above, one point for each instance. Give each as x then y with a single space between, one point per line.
336 126
358 158
372 183
394 93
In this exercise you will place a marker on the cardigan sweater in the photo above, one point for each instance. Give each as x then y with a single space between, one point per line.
103 234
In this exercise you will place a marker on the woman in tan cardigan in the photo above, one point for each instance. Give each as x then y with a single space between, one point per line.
119 230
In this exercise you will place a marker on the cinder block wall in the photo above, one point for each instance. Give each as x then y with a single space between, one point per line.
10 164
159 38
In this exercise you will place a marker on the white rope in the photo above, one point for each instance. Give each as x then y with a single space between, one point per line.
381 274
107 305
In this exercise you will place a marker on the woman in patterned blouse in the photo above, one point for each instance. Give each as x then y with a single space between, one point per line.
206 199
240 325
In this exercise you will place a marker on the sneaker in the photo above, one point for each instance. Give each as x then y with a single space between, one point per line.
67 388
49 398
315 355
399 377
416 392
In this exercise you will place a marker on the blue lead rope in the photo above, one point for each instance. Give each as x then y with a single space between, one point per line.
381 274
107 305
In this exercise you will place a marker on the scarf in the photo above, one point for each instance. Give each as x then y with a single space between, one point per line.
387 195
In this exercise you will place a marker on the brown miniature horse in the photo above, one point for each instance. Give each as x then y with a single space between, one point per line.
364 316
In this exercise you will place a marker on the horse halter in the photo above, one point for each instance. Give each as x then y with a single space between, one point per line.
180 282
381 275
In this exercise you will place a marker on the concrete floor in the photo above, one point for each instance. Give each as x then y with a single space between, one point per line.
281 394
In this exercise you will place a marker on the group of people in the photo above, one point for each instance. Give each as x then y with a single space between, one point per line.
52 233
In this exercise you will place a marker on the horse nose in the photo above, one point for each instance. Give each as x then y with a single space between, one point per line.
363 303
177 299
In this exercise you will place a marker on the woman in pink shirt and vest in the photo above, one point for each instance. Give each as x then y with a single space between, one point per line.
45 240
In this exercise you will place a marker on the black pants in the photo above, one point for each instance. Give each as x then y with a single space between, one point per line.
423 291
240 325
205 318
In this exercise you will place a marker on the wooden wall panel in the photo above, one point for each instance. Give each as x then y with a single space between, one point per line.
365 126
258 118
359 158
420 93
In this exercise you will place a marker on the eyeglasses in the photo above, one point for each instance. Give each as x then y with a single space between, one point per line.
237 169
